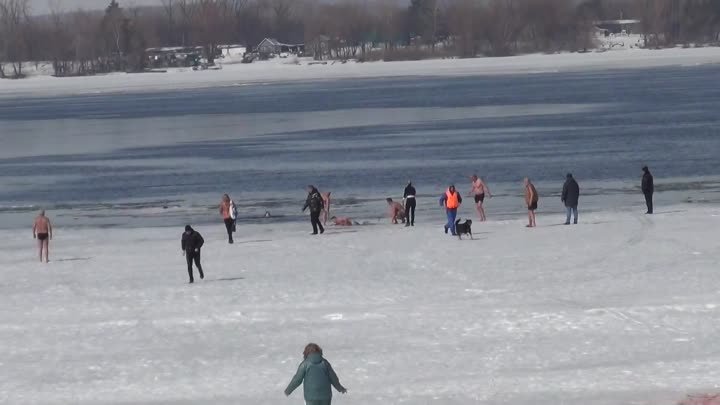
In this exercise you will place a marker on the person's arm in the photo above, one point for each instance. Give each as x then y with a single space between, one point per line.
443 199
201 242
183 242
459 198
563 197
334 380
296 380
50 230
35 230
307 203
487 190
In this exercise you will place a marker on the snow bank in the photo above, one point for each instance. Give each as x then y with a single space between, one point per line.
283 70
623 308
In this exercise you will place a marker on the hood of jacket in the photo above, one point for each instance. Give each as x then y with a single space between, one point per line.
315 358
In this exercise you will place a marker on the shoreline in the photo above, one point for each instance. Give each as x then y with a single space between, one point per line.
282 72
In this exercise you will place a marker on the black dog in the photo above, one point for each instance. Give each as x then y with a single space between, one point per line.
464 228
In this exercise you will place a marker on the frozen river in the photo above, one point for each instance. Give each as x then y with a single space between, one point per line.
165 158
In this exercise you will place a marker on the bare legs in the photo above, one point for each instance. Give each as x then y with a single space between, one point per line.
481 211
44 250
531 219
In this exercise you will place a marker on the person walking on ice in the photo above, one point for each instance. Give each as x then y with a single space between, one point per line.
478 191
315 202
228 211
410 204
191 243
570 197
317 376
648 188
42 231
451 200
531 200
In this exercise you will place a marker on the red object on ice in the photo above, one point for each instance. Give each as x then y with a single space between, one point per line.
704 399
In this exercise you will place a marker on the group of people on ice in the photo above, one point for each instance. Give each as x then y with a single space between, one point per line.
319 203
319 206
315 373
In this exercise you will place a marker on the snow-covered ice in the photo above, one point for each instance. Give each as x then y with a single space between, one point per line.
622 309
285 70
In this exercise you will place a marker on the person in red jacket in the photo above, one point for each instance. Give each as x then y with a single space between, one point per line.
228 212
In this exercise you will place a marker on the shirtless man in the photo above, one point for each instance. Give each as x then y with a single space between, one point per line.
479 189
342 221
326 210
396 211
42 231
531 200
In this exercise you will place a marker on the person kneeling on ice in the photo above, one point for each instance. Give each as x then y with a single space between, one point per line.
396 211
451 200
191 244
317 376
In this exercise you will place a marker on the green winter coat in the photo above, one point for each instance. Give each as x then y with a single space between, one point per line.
317 375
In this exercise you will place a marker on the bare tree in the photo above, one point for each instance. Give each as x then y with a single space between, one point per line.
14 27
188 9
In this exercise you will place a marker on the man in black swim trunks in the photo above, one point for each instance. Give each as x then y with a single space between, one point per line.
42 231
479 189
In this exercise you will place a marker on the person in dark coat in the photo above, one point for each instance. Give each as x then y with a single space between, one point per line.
315 202
191 244
570 197
648 188
410 204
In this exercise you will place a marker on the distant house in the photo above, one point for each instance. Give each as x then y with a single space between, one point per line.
233 50
619 26
173 56
269 47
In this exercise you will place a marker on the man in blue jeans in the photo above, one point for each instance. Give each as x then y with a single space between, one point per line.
570 197
451 200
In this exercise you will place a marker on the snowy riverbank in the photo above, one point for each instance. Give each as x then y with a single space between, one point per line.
621 309
286 71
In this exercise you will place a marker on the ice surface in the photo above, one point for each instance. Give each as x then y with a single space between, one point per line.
622 309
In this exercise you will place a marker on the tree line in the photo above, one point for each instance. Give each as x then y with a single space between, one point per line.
115 39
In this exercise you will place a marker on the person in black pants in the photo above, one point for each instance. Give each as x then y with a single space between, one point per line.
191 243
315 202
410 204
648 188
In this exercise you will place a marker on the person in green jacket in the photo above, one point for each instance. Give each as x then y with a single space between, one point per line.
317 375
